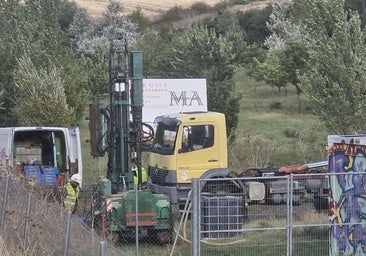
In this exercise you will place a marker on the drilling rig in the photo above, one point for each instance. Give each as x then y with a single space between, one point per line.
125 208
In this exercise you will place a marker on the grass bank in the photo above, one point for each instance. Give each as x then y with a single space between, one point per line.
271 130
289 132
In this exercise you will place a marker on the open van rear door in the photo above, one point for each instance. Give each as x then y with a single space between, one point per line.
75 151
6 156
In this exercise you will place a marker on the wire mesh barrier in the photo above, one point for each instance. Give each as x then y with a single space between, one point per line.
34 222
261 220
302 214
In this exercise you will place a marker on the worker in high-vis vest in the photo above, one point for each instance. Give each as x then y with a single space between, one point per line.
72 189
143 173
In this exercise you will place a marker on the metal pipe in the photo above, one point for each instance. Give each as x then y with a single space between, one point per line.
67 236
5 203
26 225
136 221
103 248
290 198
195 219
181 222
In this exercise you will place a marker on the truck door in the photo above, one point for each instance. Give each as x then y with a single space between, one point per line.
198 151
75 151
6 141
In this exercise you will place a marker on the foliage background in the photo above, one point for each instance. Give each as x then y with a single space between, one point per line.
54 61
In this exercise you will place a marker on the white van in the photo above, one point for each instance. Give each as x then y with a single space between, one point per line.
49 155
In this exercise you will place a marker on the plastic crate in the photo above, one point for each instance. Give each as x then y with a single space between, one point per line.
33 174
49 175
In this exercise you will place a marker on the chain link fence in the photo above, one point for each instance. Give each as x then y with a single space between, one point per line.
33 222
290 219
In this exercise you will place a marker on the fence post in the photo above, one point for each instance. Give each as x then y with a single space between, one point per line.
5 203
102 248
26 225
290 199
181 222
196 221
137 253
67 237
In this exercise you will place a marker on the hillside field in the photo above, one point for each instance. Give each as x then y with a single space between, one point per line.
272 130
150 8
154 9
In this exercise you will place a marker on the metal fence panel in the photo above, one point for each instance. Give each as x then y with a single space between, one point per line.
293 218
35 223
288 221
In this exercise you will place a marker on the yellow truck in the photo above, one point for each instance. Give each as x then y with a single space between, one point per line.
193 145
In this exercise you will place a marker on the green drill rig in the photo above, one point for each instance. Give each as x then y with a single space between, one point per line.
124 208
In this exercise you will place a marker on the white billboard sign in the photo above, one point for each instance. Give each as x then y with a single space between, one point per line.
166 96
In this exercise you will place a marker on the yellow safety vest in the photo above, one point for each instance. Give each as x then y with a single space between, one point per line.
143 175
71 197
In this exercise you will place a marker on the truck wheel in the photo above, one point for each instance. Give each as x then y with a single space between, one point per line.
161 236
275 199
320 204
297 200
226 187
112 237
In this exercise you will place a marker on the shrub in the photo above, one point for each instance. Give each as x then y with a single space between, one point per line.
275 105
222 5
234 2
200 8
174 14
290 133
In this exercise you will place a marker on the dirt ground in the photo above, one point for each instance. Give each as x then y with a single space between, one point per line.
153 9
150 8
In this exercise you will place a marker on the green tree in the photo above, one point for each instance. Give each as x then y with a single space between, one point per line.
293 59
281 26
226 22
336 73
197 52
155 46
91 40
271 71
40 98
359 6
2 99
67 11
32 30
140 19
8 49
253 24
286 55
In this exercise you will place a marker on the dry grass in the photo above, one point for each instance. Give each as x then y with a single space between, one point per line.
4 251
150 8
252 5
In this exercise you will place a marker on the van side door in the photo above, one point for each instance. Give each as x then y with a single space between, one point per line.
74 151
6 147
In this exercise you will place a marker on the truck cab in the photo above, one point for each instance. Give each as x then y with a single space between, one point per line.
187 145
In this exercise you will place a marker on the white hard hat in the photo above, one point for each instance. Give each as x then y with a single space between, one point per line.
76 177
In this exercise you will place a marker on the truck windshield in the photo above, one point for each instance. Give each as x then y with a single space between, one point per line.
165 136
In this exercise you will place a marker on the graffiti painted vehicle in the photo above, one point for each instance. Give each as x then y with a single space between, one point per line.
347 207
